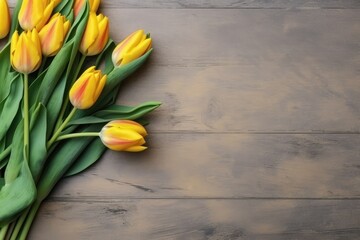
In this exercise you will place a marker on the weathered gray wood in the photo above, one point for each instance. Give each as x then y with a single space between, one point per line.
228 4
250 70
199 219
226 165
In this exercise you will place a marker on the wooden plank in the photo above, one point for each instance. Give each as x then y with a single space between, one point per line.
227 4
291 71
226 166
199 219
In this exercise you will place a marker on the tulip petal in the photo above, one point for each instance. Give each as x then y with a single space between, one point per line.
102 38
5 17
90 34
136 149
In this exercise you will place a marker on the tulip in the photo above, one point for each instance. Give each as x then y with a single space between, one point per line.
87 89
52 35
123 135
79 4
5 25
133 47
96 35
35 13
25 51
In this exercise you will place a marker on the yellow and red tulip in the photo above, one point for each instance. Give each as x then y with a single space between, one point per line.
96 35
25 51
123 135
5 16
79 4
53 34
36 13
87 89
133 47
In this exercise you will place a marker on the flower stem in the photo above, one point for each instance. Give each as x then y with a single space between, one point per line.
26 116
29 220
66 101
3 232
61 127
19 224
5 153
75 135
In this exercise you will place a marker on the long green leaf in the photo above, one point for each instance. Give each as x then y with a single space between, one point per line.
90 155
38 141
19 190
4 69
61 160
54 105
117 112
11 104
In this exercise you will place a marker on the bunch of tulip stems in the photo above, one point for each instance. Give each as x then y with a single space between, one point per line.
57 115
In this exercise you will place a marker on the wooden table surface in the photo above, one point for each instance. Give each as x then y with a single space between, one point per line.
258 136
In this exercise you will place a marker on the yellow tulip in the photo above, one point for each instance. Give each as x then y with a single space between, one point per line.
133 47
36 13
53 34
123 135
96 35
87 89
5 15
25 51
79 4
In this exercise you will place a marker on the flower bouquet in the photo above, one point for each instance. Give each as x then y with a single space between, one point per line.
60 74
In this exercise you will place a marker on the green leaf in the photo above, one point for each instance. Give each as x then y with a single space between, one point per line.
54 105
14 20
90 155
61 160
19 190
37 146
10 105
115 78
34 89
54 72
122 72
117 112
17 195
4 69
64 7
106 57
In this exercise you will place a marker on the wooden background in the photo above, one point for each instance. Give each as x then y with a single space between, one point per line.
258 136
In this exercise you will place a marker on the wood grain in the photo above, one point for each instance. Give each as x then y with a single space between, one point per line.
199 220
250 70
226 166
267 4
257 138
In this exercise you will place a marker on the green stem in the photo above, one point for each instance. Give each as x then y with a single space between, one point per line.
75 135
5 153
29 220
26 116
62 126
66 101
3 232
19 224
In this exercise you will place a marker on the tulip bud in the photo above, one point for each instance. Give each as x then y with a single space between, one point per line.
123 135
96 35
79 4
53 34
25 51
133 47
5 15
35 13
87 89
